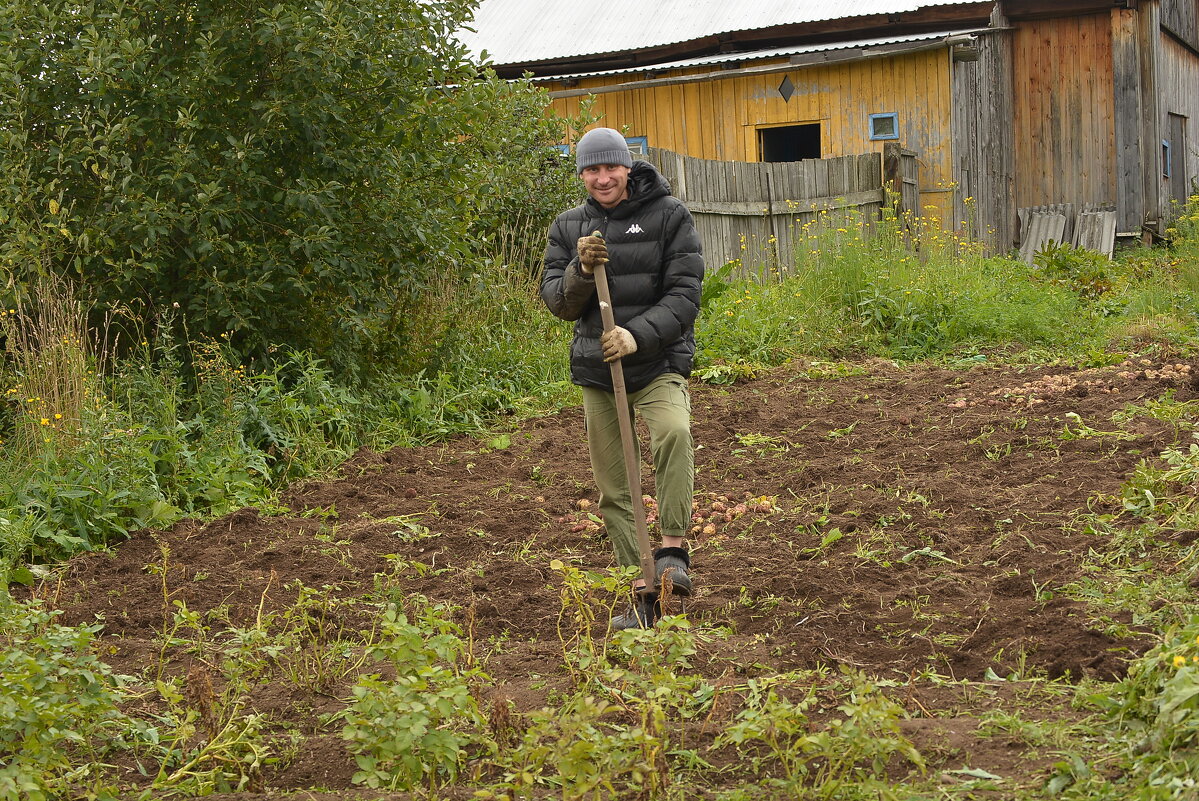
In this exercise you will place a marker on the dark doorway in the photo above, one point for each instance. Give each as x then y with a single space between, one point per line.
790 142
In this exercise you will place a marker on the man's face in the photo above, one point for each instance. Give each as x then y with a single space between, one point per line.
607 183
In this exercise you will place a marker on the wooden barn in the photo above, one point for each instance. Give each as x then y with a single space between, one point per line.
1007 105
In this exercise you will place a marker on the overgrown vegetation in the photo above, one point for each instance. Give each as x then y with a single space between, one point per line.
903 289
240 244
102 444
292 175
143 440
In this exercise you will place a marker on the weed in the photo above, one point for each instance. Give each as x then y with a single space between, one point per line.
1181 414
761 444
723 373
859 744
1163 492
1157 709
213 746
587 598
1080 270
1075 428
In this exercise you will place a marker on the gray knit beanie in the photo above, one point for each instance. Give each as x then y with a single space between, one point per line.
602 146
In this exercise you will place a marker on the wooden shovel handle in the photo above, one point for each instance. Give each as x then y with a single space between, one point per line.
632 464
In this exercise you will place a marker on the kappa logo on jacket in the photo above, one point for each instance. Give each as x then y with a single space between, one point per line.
635 229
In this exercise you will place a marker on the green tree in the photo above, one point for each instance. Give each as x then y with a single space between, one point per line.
287 173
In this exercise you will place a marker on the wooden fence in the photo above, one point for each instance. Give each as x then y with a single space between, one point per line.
759 214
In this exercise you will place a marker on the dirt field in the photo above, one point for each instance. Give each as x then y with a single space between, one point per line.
892 519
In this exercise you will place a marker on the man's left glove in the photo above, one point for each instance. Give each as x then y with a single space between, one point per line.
617 344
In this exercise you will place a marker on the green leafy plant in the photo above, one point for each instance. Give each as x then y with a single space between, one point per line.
1157 709
858 745
58 704
416 728
587 600
207 743
1164 493
580 749
1081 270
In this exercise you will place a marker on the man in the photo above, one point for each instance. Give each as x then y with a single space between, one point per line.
654 260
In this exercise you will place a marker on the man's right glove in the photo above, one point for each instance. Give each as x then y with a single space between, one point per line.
617 343
592 252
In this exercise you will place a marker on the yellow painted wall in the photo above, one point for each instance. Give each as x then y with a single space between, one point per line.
719 119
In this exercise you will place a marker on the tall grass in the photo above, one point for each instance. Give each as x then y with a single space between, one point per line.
485 343
95 447
905 289
50 352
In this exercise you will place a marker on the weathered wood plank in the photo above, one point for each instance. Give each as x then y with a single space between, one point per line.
755 212
1126 80
761 208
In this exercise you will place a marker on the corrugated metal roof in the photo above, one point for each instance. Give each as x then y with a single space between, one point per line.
776 52
523 31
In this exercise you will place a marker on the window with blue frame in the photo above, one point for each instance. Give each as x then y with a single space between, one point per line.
884 126
1165 158
638 144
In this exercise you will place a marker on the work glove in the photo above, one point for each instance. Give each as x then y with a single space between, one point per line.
592 252
617 344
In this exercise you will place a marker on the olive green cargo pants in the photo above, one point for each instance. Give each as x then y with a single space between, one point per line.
665 407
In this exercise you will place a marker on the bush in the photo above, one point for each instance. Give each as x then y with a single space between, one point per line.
290 173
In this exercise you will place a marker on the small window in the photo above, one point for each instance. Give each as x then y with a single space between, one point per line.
884 126
563 149
790 142
638 144
1165 158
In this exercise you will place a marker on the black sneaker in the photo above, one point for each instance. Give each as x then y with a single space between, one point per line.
677 562
642 613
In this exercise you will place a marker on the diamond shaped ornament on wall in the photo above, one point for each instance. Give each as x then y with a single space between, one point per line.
787 89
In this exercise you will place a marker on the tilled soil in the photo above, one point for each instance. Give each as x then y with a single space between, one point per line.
893 519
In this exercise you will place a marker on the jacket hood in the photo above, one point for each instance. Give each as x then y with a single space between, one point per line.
646 184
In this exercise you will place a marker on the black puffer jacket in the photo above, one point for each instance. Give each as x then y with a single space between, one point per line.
655 269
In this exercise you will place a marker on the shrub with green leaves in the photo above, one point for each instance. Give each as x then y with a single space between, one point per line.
291 173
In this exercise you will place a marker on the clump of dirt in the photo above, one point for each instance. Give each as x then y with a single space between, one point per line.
895 519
